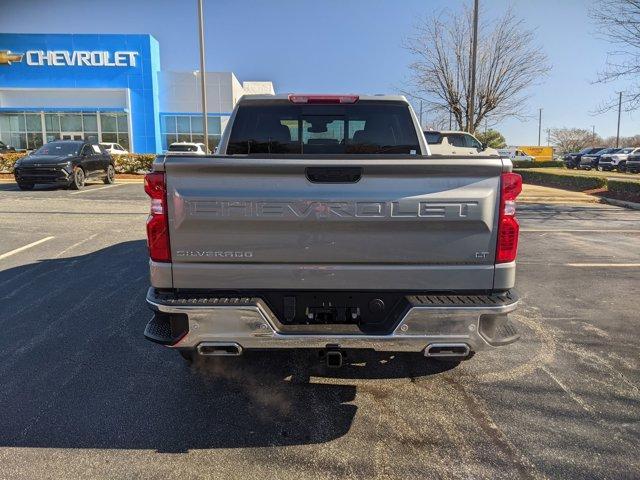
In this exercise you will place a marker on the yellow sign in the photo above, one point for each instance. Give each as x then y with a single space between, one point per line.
539 154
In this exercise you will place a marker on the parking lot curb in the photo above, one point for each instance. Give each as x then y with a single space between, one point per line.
620 203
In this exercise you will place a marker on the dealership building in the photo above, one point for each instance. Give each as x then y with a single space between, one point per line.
107 88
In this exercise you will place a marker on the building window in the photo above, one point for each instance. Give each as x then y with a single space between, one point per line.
52 126
33 122
27 130
188 128
115 128
13 129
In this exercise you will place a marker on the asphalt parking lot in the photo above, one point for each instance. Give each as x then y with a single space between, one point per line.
85 396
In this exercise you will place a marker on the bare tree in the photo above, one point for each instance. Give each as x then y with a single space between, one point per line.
618 21
573 139
508 63
633 141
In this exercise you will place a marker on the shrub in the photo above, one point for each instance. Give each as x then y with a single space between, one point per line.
624 189
563 179
7 160
547 164
133 163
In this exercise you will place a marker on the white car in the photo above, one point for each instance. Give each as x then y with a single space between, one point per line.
187 148
456 143
616 161
114 148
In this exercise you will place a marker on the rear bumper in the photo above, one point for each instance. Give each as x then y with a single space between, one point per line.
480 322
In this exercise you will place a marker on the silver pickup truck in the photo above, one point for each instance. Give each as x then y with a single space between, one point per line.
325 223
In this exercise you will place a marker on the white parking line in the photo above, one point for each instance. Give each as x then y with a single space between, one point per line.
603 265
22 249
76 245
95 189
574 230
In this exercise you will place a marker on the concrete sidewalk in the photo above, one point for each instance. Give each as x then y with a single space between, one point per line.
538 194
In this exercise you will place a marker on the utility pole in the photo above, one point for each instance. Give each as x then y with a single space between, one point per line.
539 125
593 133
450 118
619 112
203 78
474 55
421 122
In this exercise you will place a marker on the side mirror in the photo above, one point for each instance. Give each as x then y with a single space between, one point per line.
483 147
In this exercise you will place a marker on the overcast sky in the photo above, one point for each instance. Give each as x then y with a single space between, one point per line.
341 45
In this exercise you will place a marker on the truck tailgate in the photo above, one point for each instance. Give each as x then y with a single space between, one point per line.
262 223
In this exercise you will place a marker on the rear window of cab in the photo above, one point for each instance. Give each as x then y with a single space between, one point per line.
352 129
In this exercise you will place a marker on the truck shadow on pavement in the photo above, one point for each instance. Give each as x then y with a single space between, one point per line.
76 371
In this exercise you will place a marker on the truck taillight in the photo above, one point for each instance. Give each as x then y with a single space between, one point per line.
157 223
508 227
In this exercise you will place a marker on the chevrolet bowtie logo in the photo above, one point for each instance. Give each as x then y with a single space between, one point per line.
7 57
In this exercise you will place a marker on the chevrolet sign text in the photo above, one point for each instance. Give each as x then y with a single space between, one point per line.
80 58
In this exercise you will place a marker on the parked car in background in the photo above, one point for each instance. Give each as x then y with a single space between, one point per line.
4 148
114 148
68 163
616 161
456 143
187 148
572 160
589 161
633 162
515 154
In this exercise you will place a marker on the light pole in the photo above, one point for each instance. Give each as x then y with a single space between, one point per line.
539 125
474 55
421 122
203 77
619 112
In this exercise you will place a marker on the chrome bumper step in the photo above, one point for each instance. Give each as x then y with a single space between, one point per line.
474 322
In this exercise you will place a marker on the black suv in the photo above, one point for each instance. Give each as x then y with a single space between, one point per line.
68 163
633 163
572 160
591 160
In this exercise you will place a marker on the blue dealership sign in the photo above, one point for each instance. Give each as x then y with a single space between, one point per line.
128 63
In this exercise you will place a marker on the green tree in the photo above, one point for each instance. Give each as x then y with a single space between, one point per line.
491 138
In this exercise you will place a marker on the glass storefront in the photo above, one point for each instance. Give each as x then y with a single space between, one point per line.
188 128
29 130
26 130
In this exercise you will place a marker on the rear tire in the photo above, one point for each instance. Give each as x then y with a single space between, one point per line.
110 177
26 186
77 183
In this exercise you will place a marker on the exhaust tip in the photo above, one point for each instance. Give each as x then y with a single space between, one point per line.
447 350
208 349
